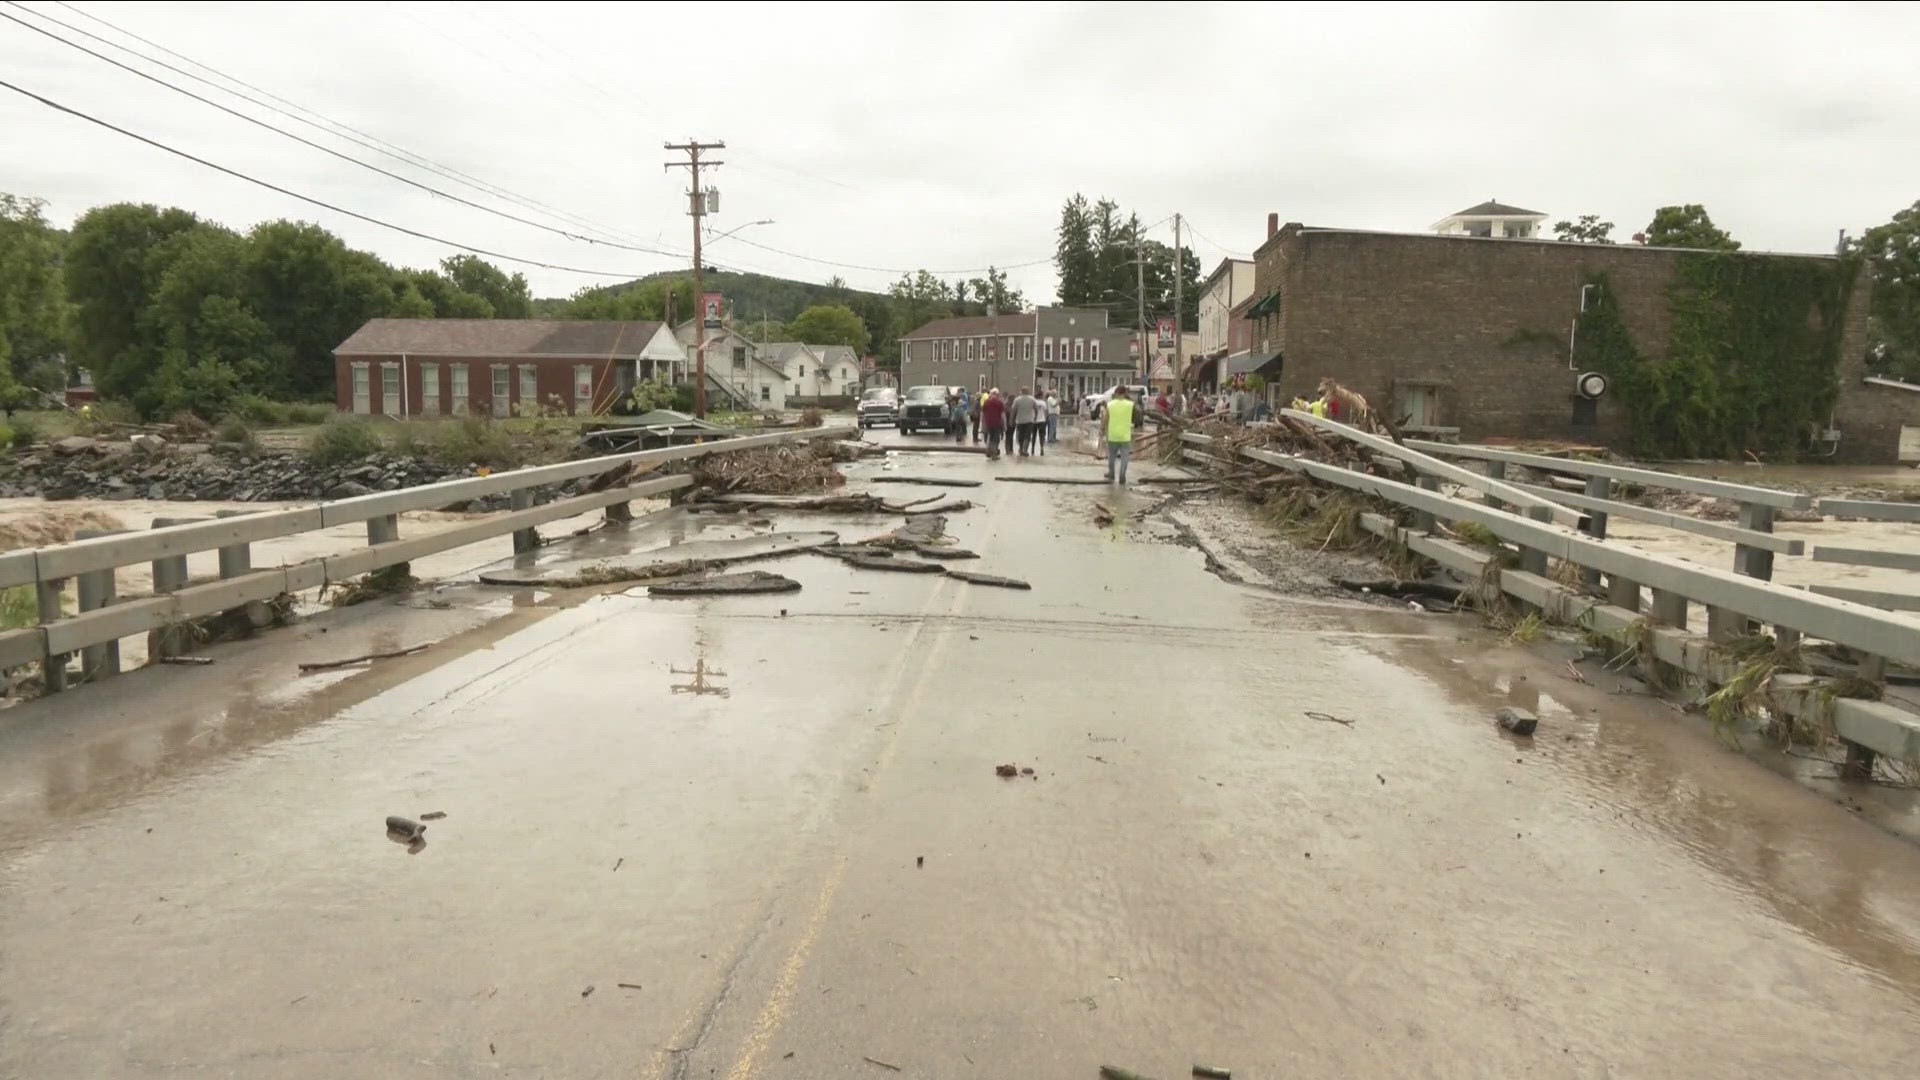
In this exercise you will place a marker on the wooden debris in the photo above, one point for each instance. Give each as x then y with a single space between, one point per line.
973 578
1329 718
323 665
190 661
882 1064
933 481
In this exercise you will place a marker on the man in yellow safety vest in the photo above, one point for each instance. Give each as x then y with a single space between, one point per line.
1119 435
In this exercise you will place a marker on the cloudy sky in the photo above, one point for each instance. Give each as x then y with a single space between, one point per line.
893 136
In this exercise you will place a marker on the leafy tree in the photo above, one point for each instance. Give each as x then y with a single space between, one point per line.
312 291
763 330
1892 253
644 299
1074 255
830 324
444 299
115 258
32 299
993 293
506 294
1588 230
1688 226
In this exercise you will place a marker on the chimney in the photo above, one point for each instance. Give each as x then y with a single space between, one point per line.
1273 224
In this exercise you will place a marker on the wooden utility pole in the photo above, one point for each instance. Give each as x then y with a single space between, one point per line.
1179 367
698 209
1140 297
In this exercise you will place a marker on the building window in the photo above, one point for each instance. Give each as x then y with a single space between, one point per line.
739 357
1080 349
430 389
803 371
362 391
529 389
1046 351
390 388
1027 348
766 392
582 388
458 391
970 348
502 390
1093 350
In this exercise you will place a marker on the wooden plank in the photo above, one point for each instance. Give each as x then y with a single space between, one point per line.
1667 519
1486 485
21 567
1872 511
1785 500
1892 560
126 549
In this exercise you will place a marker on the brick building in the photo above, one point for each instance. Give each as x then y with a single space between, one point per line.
498 367
1472 333
1072 351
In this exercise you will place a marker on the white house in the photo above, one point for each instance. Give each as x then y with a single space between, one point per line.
815 370
737 369
1230 283
1492 219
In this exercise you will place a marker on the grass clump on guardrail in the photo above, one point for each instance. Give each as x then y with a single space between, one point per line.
1748 691
395 580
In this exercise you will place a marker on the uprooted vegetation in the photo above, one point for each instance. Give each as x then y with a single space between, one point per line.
396 580
781 469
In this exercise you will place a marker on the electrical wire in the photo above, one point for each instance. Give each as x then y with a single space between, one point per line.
326 124
889 269
69 110
409 181
1217 245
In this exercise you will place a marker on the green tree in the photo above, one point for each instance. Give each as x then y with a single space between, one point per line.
312 291
1074 257
646 299
115 258
830 324
506 294
1588 230
444 299
1688 226
32 296
1892 253
994 294
763 330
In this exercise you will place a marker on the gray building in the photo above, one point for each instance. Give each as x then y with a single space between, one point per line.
1072 351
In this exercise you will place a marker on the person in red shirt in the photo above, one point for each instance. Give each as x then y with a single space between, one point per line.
1163 404
993 420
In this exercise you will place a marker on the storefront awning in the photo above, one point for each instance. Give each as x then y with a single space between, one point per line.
1266 305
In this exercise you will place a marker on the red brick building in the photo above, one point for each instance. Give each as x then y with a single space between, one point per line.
1472 333
499 367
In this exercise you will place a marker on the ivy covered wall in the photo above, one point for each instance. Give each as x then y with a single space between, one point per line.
1751 362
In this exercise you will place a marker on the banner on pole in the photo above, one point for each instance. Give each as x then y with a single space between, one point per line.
1166 333
712 306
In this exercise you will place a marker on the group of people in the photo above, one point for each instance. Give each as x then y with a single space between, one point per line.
1023 425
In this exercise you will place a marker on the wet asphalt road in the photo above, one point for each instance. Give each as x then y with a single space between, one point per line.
726 808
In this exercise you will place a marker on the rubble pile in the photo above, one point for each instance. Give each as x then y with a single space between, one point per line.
783 469
150 467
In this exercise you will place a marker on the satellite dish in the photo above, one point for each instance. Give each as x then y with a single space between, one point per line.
1592 384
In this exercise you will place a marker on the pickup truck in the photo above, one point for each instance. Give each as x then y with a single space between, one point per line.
924 407
879 407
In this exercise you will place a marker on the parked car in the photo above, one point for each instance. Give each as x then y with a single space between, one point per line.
879 407
924 407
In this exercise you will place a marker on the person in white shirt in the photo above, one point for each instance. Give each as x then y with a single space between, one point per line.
1043 418
1053 417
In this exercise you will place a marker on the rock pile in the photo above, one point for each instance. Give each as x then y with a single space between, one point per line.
152 468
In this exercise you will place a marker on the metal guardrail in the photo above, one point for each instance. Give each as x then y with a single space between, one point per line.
1732 600
96 630
1872 511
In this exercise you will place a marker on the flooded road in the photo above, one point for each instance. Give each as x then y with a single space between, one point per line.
763 837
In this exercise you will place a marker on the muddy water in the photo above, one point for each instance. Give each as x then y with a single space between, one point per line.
778 817
1813 477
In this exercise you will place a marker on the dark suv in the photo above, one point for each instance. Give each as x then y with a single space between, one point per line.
924 407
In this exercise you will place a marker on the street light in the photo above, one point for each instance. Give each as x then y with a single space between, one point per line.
716 239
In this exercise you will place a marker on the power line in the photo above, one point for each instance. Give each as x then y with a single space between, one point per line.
327 149
889 269
1229 252
354 135
69 110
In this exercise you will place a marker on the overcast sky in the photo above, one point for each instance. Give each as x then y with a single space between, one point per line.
900 136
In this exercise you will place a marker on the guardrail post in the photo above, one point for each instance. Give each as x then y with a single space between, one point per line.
1667 609
383 530
1751 561
1623 592
1598 487
169 575
524 540
96 589
619 512
1496 470
1533 560
1423 520
235 559
53 670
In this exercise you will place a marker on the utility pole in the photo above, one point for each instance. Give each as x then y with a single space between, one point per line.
1179 366
1140 295
697 208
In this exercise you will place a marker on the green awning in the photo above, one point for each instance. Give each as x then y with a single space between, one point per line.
1266 305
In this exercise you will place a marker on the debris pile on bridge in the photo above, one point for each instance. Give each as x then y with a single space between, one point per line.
784 469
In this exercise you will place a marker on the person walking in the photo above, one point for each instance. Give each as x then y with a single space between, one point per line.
1025 412
993 420
1053 417
957 416
973 413
1042 416
1119 436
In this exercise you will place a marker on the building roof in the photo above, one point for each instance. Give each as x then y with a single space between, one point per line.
779 352
1491 208
500 337
1225 264
974 325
